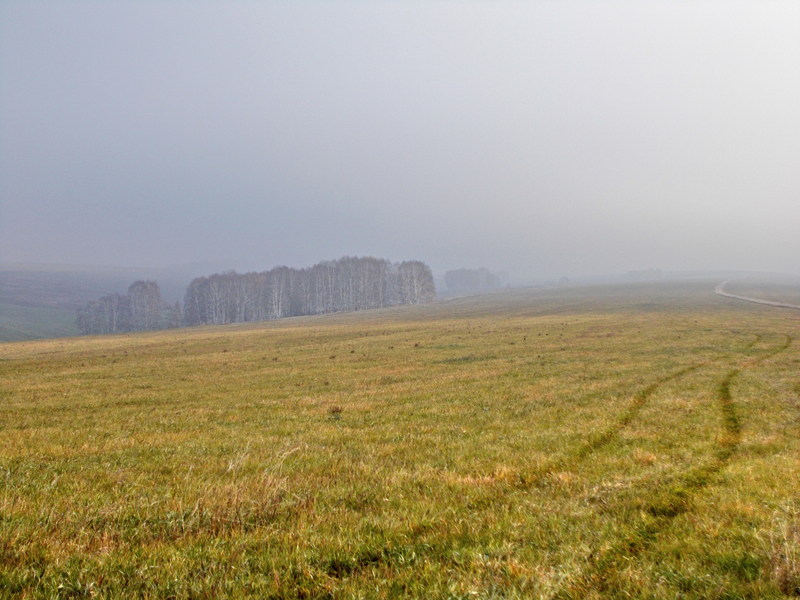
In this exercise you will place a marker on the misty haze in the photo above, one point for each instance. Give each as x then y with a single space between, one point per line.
543 139
485 299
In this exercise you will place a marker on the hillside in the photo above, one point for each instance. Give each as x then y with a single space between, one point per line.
637 440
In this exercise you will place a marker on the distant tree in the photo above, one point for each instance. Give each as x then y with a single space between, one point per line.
146 304
279 292
415 283
194 310
174 316
109 314
87 321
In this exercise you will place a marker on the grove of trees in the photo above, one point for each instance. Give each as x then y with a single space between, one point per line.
346 284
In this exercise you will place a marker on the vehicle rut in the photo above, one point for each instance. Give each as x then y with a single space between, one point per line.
672 500
603 438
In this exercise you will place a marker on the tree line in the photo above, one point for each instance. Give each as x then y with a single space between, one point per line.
345 284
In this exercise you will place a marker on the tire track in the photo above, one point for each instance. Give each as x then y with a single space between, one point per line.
672 500
356 564
602 439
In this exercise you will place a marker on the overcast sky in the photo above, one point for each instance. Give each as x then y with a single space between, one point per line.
541 138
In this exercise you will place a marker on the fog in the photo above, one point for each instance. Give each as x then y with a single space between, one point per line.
539 138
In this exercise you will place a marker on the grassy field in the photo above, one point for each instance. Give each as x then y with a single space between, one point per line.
607 442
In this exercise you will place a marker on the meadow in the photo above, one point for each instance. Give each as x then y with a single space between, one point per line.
630 441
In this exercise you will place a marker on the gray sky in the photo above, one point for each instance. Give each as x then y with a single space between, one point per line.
542 138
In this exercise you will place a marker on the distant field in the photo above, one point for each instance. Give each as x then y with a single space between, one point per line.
53 288
39 304
41 301
608 442
35 322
